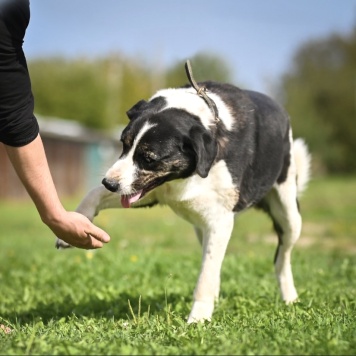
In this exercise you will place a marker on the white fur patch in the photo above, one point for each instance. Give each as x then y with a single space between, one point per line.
217 189
303 161
188 99
124 170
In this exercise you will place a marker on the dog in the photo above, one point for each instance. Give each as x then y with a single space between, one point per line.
209 153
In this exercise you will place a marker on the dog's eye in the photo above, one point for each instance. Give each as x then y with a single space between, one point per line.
149 157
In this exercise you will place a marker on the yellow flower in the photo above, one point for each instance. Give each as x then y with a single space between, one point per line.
89 254
133 258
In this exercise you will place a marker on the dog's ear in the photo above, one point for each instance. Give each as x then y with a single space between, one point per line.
205 148
144 107
137 109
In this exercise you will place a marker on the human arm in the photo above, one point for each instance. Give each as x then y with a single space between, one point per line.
31 166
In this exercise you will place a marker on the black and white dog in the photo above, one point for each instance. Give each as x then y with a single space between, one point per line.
207 169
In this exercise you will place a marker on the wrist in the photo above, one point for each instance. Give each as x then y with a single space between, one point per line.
52 217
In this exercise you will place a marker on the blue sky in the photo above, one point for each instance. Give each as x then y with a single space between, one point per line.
257 38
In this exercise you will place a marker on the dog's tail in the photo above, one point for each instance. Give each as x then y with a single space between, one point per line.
302 160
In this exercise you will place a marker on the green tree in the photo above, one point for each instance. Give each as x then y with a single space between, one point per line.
69 90
320 95
206 66
98 92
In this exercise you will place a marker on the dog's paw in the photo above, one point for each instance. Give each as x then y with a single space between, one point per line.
201 311
60 244
291 297
289 294
291 301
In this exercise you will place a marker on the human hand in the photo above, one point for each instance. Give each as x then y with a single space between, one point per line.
31 165
77 230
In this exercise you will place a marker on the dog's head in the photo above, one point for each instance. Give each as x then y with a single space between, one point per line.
159 145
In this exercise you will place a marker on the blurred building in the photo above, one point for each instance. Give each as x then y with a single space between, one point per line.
78 158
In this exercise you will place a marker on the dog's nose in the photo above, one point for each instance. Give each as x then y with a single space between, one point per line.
110 184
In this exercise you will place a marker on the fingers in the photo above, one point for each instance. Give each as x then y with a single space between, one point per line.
96 238
92 243
98 235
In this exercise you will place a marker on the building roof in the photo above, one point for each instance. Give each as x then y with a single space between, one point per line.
74 131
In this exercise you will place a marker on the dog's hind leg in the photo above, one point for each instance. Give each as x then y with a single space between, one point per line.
282 206
281 203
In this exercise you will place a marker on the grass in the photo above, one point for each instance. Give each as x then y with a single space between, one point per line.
133 296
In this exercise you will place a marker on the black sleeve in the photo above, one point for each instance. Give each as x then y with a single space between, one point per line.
18 125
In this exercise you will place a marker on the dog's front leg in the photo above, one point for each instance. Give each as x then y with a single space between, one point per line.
97 199
215 240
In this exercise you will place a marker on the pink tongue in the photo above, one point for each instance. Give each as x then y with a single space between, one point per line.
127 200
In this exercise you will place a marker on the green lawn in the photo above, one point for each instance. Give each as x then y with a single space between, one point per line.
134 295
